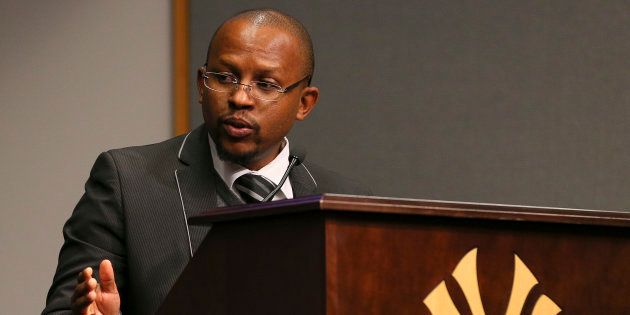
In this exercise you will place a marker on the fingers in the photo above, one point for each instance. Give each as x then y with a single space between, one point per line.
85 283
84 288
84 292
106 274
84 275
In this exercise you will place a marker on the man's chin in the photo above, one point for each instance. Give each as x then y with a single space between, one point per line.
243 157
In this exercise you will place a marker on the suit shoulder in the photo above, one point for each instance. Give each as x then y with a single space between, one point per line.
164 149
154 155
329 181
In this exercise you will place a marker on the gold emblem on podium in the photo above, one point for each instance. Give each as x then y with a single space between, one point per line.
439 301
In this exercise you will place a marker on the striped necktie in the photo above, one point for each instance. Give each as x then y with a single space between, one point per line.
253 188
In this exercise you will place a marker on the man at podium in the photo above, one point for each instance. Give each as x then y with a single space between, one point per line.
130 225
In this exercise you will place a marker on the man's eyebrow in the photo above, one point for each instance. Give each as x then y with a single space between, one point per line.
262 70
269 68
272 71
225 63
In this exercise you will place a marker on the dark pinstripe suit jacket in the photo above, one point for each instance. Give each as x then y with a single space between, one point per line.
134 213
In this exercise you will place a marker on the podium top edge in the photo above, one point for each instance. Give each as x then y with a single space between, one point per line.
415 207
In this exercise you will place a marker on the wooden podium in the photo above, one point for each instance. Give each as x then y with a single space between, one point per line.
336 254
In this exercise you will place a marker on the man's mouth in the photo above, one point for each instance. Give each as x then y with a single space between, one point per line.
237 127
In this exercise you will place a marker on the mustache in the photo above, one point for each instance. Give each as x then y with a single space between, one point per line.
240 119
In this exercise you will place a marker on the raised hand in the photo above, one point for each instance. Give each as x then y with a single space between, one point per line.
90 297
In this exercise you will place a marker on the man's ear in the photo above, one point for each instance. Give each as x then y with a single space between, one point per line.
200 85
308 100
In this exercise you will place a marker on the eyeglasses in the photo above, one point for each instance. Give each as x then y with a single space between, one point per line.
266 91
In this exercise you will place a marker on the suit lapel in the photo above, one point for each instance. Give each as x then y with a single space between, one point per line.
302 182
197 184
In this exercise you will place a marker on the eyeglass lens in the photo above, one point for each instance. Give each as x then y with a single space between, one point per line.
225 83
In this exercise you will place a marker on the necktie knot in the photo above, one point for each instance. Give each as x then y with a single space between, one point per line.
253 188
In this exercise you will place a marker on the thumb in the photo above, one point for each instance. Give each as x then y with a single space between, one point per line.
106 274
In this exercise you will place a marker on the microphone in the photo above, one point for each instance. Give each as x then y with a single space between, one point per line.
295 158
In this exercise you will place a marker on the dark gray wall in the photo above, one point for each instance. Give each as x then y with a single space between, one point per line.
522 102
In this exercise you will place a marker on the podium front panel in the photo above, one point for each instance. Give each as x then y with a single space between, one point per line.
336 254
390 264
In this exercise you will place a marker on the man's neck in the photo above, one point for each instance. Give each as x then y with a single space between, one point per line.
267 157
273 170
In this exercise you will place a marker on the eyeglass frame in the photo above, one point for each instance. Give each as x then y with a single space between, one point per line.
281 90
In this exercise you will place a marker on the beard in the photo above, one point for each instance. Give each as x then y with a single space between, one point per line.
241 159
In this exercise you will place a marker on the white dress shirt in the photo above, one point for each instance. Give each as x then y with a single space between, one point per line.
273 171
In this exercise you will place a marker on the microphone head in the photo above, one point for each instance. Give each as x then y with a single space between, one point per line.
299 154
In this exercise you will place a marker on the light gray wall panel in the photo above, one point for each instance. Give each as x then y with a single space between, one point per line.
76 78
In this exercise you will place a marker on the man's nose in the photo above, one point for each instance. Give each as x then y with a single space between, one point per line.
241 96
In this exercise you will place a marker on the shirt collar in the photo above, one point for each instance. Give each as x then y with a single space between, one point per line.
273 171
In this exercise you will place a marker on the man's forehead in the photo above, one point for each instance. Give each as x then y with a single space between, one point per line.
244 37
241 30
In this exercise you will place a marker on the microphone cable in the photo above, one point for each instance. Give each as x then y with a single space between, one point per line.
294 160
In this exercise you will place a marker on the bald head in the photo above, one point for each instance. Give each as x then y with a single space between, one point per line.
261 18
